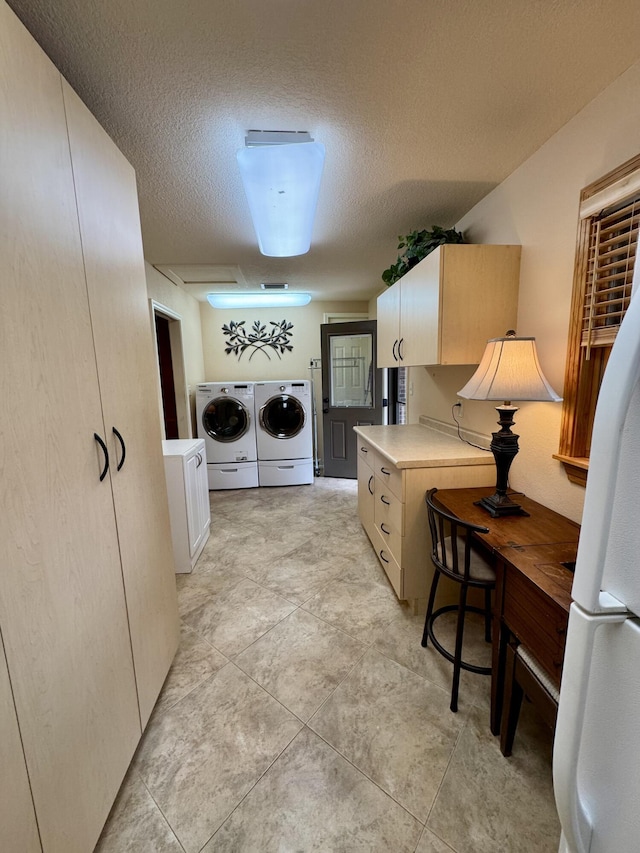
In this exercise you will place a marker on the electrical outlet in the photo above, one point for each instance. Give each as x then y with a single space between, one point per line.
459 409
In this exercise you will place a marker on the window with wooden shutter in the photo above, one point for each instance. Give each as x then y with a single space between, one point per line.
607 241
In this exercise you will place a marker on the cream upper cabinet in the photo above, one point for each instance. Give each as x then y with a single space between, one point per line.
453 301
112 247
388 328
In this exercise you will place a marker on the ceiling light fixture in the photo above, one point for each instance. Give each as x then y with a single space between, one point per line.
258 300
281 172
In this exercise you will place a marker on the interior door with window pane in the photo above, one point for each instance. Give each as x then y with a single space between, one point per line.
351 391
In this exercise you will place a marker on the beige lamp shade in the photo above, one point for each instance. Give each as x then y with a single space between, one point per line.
509 370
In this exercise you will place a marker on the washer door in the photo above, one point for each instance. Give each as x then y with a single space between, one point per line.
282 416
225 419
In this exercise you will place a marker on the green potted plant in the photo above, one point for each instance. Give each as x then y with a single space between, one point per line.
417 246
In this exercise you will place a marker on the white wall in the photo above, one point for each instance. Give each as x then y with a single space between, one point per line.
266 364
537 206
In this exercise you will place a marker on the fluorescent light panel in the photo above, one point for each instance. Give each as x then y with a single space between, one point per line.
282 182
258 300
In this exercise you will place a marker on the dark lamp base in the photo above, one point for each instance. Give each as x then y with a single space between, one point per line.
504 448
498 505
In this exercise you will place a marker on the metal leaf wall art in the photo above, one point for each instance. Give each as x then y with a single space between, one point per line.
258 338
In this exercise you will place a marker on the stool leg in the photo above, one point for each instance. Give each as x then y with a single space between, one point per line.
458 652
432 598
487 614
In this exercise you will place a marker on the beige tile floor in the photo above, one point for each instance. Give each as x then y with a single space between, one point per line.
302 714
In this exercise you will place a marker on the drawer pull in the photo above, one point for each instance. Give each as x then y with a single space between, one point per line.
384 500
384 471
382 557
369 485
384 529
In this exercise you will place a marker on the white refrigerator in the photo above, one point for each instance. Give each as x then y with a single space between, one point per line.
596 760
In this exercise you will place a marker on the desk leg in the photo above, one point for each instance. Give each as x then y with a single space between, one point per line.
498 668
499 636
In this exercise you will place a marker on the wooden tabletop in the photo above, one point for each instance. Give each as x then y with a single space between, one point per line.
542 526
536 544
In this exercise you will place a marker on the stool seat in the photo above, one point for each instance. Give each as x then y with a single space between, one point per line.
479 569
454 556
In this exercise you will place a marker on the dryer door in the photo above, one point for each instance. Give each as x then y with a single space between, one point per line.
282 416
225 419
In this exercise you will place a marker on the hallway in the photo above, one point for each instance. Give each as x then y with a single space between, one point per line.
302 714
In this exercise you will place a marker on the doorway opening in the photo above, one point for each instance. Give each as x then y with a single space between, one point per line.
167 382
173 397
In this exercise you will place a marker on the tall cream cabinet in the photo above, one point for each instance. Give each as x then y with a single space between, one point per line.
445 309
18 830
88 614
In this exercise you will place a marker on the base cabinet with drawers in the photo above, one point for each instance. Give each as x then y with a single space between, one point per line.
397 465
185 466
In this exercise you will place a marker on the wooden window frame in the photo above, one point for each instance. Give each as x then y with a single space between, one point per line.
583 373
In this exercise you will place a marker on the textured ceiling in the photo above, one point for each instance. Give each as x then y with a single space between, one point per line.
423 107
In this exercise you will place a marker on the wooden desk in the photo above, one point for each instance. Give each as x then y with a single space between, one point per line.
533 589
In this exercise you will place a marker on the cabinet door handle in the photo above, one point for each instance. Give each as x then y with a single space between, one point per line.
106 455
369 485
384 500
384 471
364 449
122 445
393 350
384 529
400 353
199 462
382 557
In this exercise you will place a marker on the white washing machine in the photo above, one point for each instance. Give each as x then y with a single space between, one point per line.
284 432
226 420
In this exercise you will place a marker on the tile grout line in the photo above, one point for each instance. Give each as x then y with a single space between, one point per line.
260 777
366 775
164 817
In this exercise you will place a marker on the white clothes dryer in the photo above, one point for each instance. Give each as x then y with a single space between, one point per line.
284 432
225 415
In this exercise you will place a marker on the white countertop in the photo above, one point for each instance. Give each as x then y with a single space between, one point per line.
419 446
180 446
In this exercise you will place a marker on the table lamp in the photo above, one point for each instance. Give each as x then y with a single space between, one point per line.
509 370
